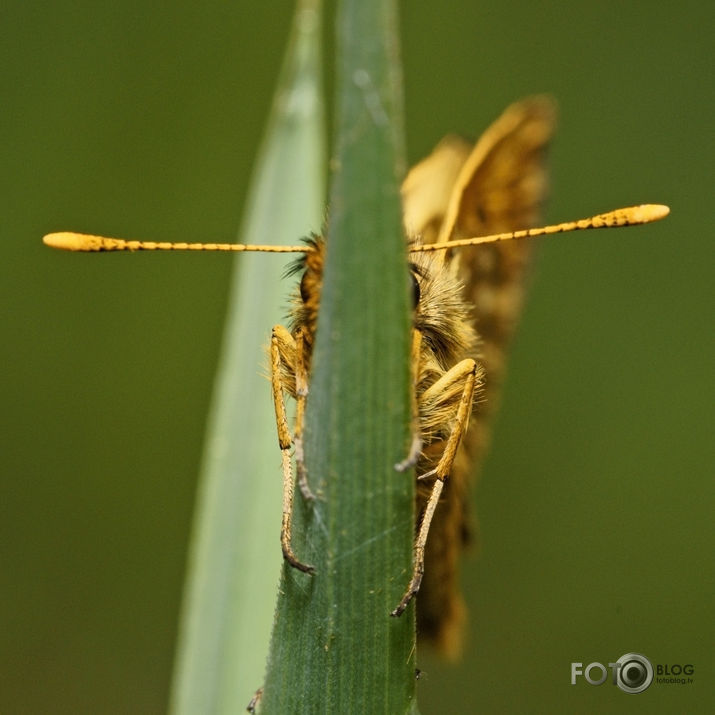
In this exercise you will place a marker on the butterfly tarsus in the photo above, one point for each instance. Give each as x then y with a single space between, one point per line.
415 450
412 456
465 371
301 393
251 707
305 490
282 340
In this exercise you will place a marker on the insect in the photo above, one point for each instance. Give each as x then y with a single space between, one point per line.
463 208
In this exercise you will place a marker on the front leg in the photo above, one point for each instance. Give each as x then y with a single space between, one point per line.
301 393
466 372
416 442
282 346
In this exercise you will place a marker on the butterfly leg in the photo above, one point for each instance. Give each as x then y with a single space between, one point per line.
416 443
251 707
283 352
464 373
301 392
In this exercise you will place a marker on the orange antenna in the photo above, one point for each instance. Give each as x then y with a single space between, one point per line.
68 241
631 216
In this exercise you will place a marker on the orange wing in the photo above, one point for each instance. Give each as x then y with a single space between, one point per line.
461 190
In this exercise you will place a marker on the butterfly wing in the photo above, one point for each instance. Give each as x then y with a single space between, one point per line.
461 190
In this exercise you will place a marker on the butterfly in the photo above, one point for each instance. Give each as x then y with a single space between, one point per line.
465 207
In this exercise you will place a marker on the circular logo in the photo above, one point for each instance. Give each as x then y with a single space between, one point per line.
635 673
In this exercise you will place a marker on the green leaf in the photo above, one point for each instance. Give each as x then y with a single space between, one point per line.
334 646
235 553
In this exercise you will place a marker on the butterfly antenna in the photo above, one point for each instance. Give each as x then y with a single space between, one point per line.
631 216
68 241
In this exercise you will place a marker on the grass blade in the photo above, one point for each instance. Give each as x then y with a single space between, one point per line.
334 646
235 555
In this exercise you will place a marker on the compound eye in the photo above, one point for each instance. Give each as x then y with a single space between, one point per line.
415 289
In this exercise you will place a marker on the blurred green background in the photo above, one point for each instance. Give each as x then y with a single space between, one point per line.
596 505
